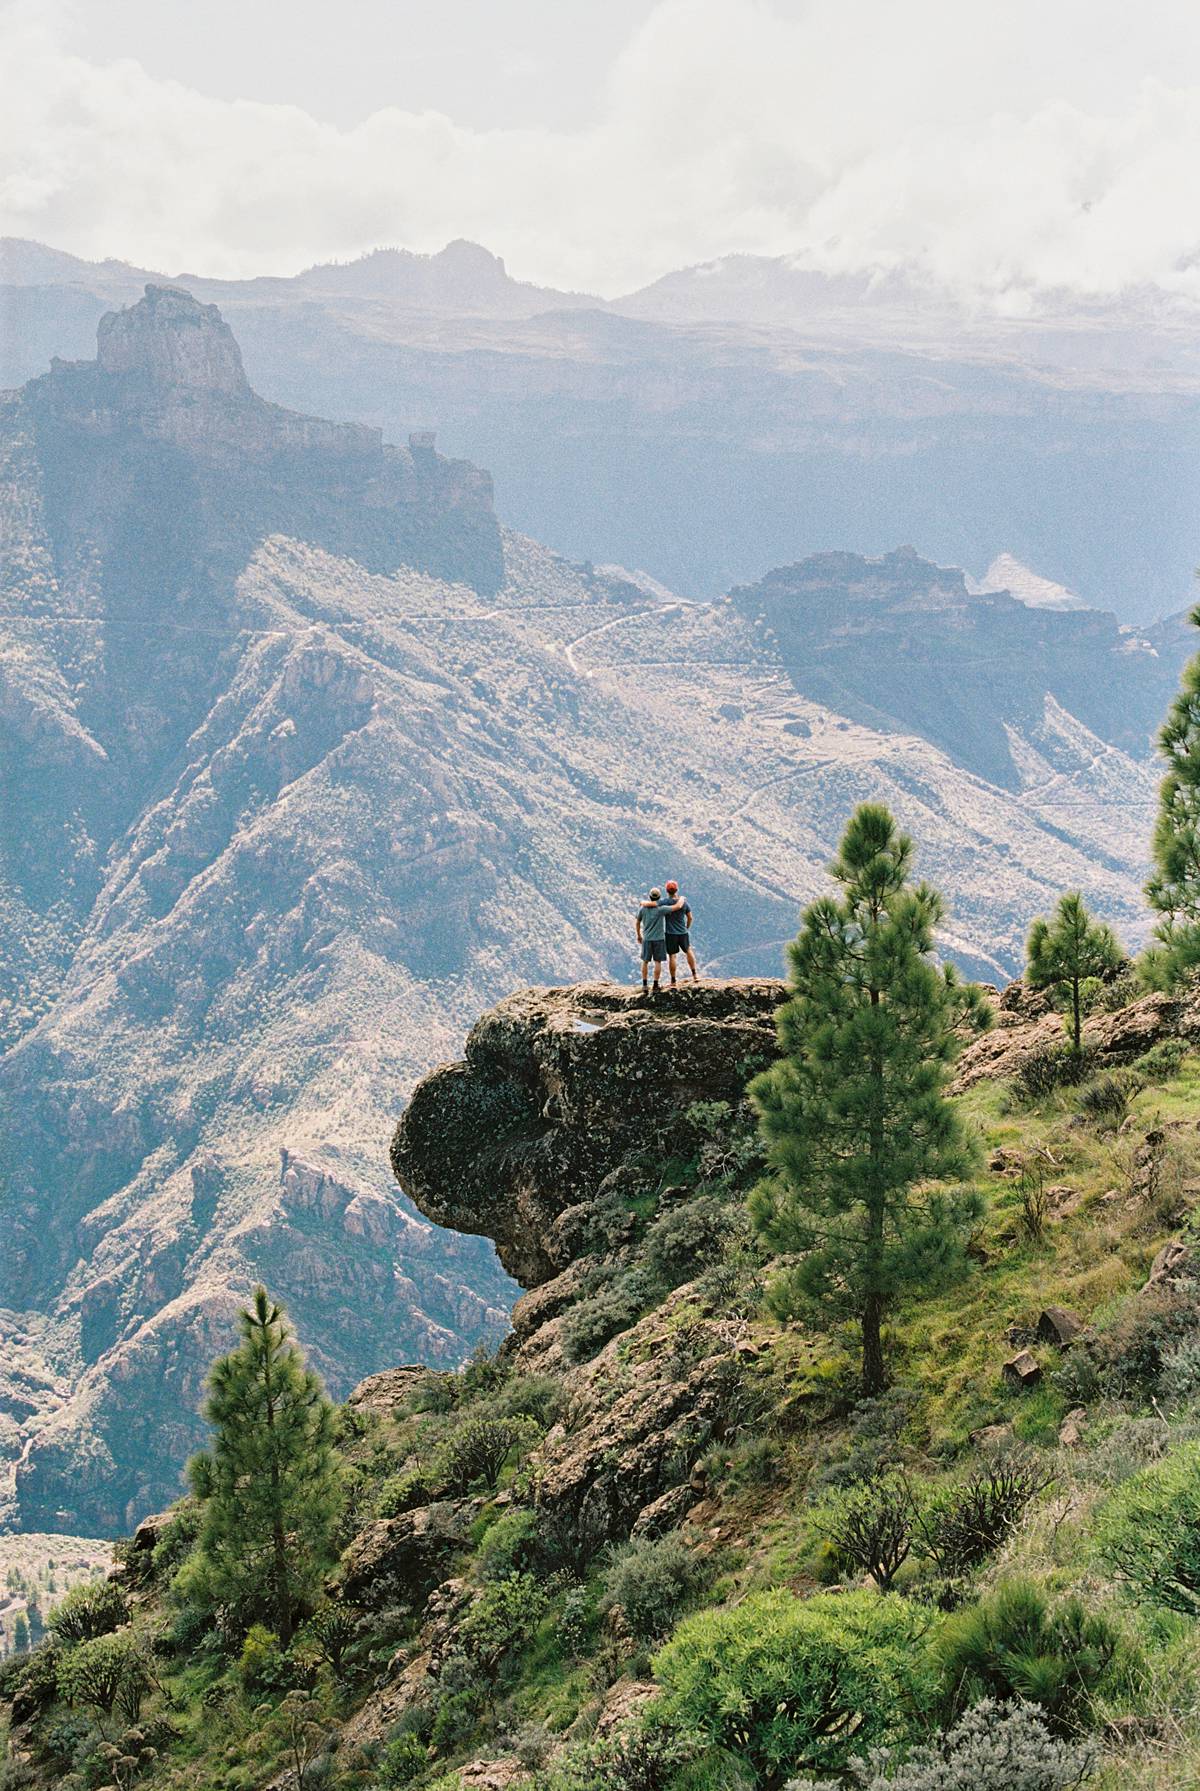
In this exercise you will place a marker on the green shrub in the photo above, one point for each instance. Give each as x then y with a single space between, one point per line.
870 1527
109 1673
88 1611
1049 1068
1104 1101
1125 1360
636 1758
262 1664
502 1622
960 1526
401 1761
405 1491
1148 1532
592 1323
512 1545
1013 1644
785 1681
1163 1060
477 1451
652 1582
685 1238
994 1747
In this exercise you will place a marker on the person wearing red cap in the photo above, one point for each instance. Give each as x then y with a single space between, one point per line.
679 937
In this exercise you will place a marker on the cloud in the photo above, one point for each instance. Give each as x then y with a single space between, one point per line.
998 149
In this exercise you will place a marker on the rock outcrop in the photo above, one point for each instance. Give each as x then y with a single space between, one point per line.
556 1087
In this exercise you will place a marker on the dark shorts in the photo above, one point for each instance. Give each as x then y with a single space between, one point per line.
654 951
677 942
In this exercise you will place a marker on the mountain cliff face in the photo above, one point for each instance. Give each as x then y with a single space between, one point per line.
311 761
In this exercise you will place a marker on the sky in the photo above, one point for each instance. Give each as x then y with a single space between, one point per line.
1000 149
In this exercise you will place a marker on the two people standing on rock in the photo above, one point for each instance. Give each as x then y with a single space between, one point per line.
663 930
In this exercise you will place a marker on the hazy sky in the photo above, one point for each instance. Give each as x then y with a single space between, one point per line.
599 143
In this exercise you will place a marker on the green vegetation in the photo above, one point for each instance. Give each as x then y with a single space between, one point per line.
855 1111
789 1682
1174 889
1065 951
268 1486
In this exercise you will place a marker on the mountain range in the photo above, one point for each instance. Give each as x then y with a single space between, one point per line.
730 416
309 758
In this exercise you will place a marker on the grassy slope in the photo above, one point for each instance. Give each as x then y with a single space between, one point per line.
756 1525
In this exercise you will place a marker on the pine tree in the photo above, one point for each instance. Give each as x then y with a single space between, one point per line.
21 1634
269 1482
1062 952
1174 889
854 1113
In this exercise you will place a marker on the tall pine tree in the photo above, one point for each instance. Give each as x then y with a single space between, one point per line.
854 1112
1064 951
1174 889
269 1482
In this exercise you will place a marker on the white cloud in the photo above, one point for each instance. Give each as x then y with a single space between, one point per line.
996 147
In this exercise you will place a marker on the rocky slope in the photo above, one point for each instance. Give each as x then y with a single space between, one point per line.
658 1449
289 806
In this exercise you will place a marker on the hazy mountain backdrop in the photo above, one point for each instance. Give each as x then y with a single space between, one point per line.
732 416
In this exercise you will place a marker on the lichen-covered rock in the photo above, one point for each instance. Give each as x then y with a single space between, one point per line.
556 1087
398 1560
1025 1026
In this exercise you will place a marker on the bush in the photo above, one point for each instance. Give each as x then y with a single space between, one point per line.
502 1622
994 1747
401 1761
512 1545
106 1674
1149 1532
89 1611
875 1447
1012 1644
686 1238
870 1527
1049 1068
478 1450
1104 1102
785 1681
405 1491
962 1525
636 1758
1163 1060
1125 1360
262 1664
592 1323
652 1582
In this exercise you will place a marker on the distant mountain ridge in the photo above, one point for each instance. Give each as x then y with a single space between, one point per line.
311 759
729 417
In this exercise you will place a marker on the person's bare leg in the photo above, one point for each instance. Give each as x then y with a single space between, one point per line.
657 975
672 959
691 958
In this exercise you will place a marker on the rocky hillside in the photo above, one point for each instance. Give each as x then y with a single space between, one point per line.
313 760
533 1545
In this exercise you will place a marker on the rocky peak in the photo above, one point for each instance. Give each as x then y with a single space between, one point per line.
556 1087
172 340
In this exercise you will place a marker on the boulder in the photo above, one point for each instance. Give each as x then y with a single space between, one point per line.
554 1091
388 1392
399 1560
1174 1262
1022 1370
1058 1326
1070 1431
